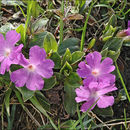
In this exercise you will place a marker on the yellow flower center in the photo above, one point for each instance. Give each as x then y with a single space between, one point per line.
31 67
7 52
95 72
94 94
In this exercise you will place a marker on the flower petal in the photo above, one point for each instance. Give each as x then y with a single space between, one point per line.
45 69
88 80
105 101
82 65
1 58
84 70
93 59
82 94
127 31
19 77
93 86
5 65
128 23
22 60
2 45
36 54
12 37
107 78
34 82
87 105
15 54
18 48
107 66
107 89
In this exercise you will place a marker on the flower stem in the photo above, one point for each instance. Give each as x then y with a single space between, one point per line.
122 81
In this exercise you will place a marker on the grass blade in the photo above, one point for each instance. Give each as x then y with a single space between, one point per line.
85 26
84 115
11 118
61 22
125 119
29 7
7 99
39 107
79 116
122 81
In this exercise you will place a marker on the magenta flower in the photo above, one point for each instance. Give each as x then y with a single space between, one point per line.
125 32
35 69
8 50
95 93
95 70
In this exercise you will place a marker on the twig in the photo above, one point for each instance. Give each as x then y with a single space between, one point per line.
39 114
94 115
111 124
32 117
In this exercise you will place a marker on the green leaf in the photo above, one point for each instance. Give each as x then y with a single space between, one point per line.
5 79
104 39
87 123
112 48
7 99
12 2
49 43
56 59
36 103
127 43
49 83
113 44
70 84
109 34
37 39
20 29
85 4
71 43
11 117
18 95
67 124
39 24
105 112
45 127
59 76
91 43
104 52
7 27
28 20
27 94
77 56
114 55
42 100
112 22
66 69
67 57
122 95
35 10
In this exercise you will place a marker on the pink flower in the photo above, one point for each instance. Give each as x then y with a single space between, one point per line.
8 50
35 69
95 70
125 32
95 92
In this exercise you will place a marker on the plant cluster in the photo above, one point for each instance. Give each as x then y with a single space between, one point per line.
59 71
97 81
